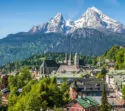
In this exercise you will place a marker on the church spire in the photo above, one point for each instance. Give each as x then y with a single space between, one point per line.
76 60
70 61
66 59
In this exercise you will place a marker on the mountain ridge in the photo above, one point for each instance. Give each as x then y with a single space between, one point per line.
92 18
59 35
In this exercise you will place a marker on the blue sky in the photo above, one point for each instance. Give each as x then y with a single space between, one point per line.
21 15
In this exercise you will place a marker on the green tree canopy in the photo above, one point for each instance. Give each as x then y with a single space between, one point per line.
123 92
39 94
104 101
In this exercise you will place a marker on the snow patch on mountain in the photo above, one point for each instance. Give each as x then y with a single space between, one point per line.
92 18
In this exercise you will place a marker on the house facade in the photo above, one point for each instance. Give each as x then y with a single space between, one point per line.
115 80
86 87
94 72
48 66
68 66
69 76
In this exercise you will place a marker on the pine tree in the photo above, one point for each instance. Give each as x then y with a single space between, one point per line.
105 106
123 92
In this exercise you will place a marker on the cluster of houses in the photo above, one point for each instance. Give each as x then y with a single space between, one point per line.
68 67
83 104
83 84
85 89
84 94
115 80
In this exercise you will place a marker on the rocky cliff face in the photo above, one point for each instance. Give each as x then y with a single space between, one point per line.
92 34
92 18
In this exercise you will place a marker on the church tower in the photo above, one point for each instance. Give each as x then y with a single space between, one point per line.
66 59
76 60
70 61
42 68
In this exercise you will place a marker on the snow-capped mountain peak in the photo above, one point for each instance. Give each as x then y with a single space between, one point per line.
95 9
58 16
93 18
56 24
96 19
58 19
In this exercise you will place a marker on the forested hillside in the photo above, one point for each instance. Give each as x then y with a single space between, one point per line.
20 46
117 55
91 42
36 60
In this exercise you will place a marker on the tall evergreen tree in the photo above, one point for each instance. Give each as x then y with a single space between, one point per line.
123 92
105 106
0 97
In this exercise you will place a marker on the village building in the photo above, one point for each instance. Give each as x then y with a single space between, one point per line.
107 60
94 72
68 66
69 76
88 68
70 70
5 95
99 64
34 72
47 67
122 46
110 66
86 87
83 104
115 80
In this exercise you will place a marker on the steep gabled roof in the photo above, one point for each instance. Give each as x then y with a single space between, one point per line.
87 102
67 68
50 63
88 84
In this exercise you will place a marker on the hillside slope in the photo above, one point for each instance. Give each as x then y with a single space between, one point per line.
89 42
19 46
115 54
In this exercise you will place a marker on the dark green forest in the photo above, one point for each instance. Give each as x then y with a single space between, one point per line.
115 54
36 60
19 46
16 47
